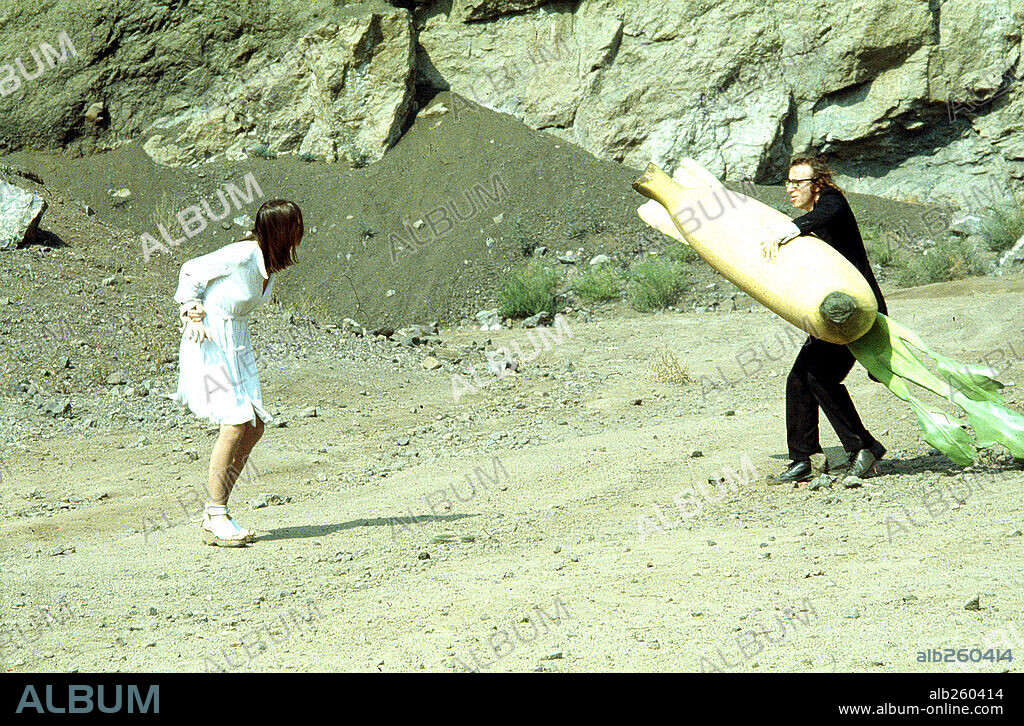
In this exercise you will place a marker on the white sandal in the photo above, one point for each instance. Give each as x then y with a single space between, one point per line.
236 537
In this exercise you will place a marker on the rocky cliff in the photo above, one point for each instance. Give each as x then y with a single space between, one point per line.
912 99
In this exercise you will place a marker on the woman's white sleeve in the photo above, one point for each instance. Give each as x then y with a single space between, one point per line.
197 273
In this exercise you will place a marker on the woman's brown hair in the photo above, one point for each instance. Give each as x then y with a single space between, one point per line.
278 230
820 171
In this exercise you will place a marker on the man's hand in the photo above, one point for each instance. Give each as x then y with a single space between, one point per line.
770 246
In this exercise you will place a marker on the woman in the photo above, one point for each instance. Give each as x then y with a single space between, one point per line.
818 372
218 378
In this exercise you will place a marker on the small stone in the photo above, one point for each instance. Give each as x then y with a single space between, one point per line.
94 113
116 379
59 408
423 555
61 550
555 655
696 454
822 481
225 224
348 325
599 260
259 503
1016 533
637 401
852 613
109 281
852 482
540 318
308 412
430 363
974 603
152 611
730 412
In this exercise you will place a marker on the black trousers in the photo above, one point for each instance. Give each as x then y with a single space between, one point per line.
816 381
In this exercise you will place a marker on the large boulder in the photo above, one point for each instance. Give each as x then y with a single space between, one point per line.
20 212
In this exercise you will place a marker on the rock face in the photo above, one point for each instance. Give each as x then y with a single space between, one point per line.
20 212
916 100
906 101
329 83
466 10
341 92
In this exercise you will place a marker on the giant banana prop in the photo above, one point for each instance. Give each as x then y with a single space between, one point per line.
818 290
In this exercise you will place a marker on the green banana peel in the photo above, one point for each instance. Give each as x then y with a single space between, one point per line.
887 351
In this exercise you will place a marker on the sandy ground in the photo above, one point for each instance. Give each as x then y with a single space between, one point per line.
541 565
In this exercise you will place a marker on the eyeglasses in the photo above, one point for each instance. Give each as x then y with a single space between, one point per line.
796 182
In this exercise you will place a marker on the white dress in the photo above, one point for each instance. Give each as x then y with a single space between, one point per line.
217 378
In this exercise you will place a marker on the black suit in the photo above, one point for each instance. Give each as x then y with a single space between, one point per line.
818 372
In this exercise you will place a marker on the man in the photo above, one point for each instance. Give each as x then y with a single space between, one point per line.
818 372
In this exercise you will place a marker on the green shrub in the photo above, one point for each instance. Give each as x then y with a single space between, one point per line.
1001 228
599 283
656 284
679 252
528 291
263 151
583 221
952 259
526 237
880 246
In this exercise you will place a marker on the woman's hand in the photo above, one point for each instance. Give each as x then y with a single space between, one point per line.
196 332
197 313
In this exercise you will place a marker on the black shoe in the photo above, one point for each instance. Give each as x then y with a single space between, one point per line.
863 464
876 449
797 471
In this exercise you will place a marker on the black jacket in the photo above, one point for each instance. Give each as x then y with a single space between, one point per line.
832 220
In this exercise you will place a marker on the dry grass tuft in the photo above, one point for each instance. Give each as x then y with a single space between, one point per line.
666 368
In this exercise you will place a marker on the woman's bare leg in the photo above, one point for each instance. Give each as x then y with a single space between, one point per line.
251 435
229 457
222 477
